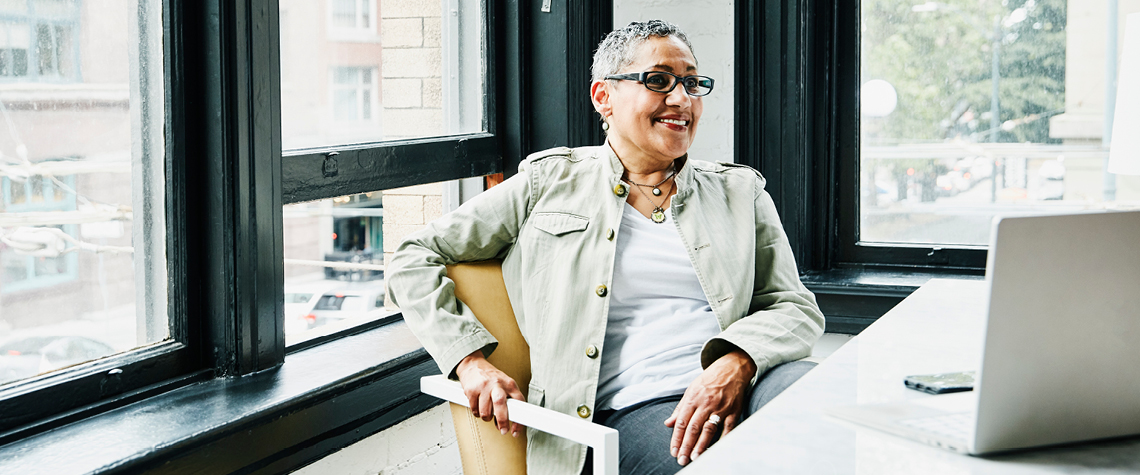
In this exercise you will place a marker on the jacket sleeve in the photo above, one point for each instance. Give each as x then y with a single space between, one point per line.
783 321
483 228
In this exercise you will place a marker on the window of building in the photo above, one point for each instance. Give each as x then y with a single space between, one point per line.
353 94
353 14
25 265
39 40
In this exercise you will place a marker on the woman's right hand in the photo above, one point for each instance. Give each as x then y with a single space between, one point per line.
487 390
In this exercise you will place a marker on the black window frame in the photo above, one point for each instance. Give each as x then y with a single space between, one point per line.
797 121
48 401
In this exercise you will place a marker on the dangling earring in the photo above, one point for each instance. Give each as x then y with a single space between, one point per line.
605 125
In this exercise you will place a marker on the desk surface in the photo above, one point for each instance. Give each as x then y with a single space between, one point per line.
937 329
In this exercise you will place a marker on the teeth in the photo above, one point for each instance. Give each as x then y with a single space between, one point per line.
675 121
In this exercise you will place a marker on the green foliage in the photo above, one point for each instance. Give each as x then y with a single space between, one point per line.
940 64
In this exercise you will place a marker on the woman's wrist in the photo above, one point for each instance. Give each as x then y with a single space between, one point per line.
738 358
468 360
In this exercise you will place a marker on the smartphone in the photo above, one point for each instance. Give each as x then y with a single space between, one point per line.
941 383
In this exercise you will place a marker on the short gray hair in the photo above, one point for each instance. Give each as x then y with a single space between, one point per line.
617 50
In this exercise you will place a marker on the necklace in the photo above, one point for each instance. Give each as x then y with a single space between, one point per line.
658 214
656 188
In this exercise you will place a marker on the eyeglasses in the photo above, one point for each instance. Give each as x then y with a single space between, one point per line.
661 81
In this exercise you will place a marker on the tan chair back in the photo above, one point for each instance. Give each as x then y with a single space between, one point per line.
485 451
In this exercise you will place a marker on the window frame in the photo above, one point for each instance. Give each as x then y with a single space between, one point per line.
849 250
47 401
227 180
798 87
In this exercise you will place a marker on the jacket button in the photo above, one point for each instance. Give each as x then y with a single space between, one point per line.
602 291
583 411
620 189
591 351
610 234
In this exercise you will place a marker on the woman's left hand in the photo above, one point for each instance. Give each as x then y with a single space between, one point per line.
719 390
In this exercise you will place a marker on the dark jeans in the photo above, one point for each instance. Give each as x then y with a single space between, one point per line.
643 439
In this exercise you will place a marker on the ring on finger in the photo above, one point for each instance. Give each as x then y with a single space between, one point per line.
713 419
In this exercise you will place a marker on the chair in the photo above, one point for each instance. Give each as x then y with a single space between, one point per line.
482 449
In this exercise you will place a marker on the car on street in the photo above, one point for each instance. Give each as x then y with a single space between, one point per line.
23 357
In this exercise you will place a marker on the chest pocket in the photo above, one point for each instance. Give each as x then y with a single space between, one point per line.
559 223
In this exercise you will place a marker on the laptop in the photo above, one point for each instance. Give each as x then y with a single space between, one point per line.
1061 354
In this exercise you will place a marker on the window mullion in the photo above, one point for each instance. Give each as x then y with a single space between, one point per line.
241 187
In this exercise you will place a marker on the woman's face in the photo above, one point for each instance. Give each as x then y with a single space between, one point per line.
647 124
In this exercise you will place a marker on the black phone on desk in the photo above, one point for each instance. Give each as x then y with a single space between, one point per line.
941 383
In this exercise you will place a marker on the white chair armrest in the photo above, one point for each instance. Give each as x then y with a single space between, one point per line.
602 439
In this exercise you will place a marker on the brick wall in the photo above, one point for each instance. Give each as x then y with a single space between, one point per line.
411 69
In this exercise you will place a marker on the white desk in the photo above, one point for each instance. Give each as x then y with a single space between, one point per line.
936 329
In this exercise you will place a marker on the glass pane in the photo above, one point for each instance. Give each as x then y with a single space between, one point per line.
335 251
413 71
972 109
711 33
80 236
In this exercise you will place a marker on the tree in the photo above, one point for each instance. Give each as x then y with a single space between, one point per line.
939 61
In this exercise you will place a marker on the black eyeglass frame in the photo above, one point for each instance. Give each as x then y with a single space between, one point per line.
641 77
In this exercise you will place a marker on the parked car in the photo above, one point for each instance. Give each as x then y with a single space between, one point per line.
299 303
361 302
28 356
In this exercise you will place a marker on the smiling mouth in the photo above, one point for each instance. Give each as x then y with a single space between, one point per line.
682 123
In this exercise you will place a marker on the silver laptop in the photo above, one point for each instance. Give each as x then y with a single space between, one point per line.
1061 358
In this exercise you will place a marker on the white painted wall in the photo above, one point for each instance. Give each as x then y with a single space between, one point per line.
709 26
421 445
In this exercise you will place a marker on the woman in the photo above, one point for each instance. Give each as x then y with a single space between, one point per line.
657 291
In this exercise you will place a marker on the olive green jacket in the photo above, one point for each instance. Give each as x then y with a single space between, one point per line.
553 225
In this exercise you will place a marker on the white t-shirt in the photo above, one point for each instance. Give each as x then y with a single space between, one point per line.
659 317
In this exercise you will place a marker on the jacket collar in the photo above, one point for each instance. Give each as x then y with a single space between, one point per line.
683 179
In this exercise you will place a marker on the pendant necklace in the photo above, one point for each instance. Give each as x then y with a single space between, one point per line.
657 187
658 214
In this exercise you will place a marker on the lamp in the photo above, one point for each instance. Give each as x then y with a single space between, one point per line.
1124 153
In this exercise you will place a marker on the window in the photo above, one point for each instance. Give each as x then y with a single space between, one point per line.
974 110
80 235
353 94
353 14
31 269
39 40
966 111
368 144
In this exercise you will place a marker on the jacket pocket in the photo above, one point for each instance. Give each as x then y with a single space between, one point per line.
535 395
559 223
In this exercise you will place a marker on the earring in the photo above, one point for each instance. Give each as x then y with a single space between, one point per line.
605 125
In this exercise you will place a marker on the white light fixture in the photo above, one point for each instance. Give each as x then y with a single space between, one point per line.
1124 153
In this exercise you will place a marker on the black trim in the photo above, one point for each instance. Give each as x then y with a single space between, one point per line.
511 26
847 249
242 296
560 50
273 421
363 327
797 121
49 401
314 174
782 111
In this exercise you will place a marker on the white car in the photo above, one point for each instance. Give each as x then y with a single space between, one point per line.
356 302
299 303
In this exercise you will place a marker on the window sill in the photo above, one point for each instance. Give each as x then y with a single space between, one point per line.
853 298
322 399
